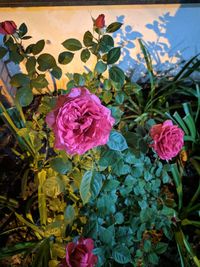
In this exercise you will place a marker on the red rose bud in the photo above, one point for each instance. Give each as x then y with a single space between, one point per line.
8 27
80 254
100 21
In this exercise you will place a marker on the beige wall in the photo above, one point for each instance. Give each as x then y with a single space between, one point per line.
175 33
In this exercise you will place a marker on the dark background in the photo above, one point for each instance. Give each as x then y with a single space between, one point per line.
16 3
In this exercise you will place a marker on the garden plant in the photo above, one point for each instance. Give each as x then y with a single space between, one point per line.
102 172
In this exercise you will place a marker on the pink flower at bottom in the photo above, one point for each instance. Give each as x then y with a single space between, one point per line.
167 139
80 254
79 122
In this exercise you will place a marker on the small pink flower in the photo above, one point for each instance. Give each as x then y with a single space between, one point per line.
167 139
8 27
79 122
99 22
80 254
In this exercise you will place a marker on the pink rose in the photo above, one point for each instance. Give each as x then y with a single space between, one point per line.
8 27
80 122
80 254
99 22
168 139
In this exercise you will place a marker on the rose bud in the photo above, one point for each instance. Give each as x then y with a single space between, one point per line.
99 22
8 27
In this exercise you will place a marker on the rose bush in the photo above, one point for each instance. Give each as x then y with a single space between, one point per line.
80 254
167 139
119 197
80 122
8 27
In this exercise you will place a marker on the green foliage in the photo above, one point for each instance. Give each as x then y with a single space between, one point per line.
120 194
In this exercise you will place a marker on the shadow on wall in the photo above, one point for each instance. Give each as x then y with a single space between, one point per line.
177 40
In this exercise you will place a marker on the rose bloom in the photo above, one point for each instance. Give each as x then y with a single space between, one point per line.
99 22
167 139
8 27
80 254
79 122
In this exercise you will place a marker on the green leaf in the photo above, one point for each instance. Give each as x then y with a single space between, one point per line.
20 79
56 72
24 96
161 247
46 61
88 39
72 44
100 67
30 65
79 79
116 113
60 165
116 75
153 258
117 141
85 186
3 52
106 235
17 249
65 57
39 82
38 47
107 97
53 187
96 185
113 27
42 255
121 254
90 186
15 56
106 43
22 29
147 246
69 214
85 55
113 55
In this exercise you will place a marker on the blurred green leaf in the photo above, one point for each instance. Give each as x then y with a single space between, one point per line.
72 44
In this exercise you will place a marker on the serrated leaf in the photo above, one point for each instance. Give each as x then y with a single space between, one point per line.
117 141
60 165
107 97
88 39
39 82
22 29
53 187
113 27
46 61
113 55
90 186
65 57
38 47
56 72
100 67
20 79
116 75
72 44
121 254
24 96
85 55
30 65
106 43
69 214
